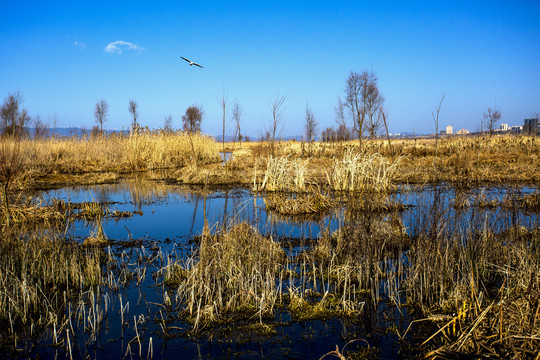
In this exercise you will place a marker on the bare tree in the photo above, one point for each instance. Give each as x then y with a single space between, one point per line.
363 100
435 116
353 101
14 117
343 133
310 127
328 135
374 108
237 113
192 119
41 129
385 123
134 114
223 101
191 122
101 113
340 114
491 118
276 127
167 125
55 123
13 120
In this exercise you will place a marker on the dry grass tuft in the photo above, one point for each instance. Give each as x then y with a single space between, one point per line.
234 276
356 173
283 174
298 204
34 212
239 274
35 272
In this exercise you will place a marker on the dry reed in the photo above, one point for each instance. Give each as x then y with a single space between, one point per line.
239 274
37 271
356 173
46 160
235 274
298 204
283 174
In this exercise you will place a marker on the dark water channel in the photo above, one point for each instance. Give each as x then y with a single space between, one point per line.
168 219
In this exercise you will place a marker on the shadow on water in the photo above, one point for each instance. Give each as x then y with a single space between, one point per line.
132 313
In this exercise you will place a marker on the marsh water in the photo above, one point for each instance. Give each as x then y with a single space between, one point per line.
166 221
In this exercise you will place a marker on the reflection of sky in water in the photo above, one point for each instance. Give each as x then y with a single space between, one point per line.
177 213
173 212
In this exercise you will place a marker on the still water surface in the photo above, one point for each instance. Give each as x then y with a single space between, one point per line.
172 216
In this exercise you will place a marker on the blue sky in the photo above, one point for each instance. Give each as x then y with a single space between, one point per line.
480 53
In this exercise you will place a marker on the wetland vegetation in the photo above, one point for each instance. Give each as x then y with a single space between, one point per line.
150 245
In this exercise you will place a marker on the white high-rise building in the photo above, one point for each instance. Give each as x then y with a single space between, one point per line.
449 130
503 127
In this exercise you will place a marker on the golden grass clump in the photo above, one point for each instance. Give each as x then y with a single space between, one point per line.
34 212
355 173
496 305
283 174
36 274
149 151
298 204
238 274
234 275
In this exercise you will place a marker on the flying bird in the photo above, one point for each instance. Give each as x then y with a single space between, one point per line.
191 62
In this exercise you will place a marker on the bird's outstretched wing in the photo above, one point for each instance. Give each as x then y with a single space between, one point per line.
191 62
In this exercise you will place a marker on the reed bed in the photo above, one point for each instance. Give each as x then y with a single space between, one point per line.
33 212
283 174
234 273
476 283
298 204
52 157
354 173
464 161
239 274
357 173
38 273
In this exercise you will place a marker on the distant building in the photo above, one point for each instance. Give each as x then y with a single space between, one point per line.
462 132
516 129
530 126
449 130
503 127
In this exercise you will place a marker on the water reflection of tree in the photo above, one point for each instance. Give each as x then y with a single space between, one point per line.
195 214
144 191
103 194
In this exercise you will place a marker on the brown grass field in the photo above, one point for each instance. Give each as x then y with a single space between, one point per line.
463 161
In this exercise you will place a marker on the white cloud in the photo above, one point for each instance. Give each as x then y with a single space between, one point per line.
80 45
117 46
